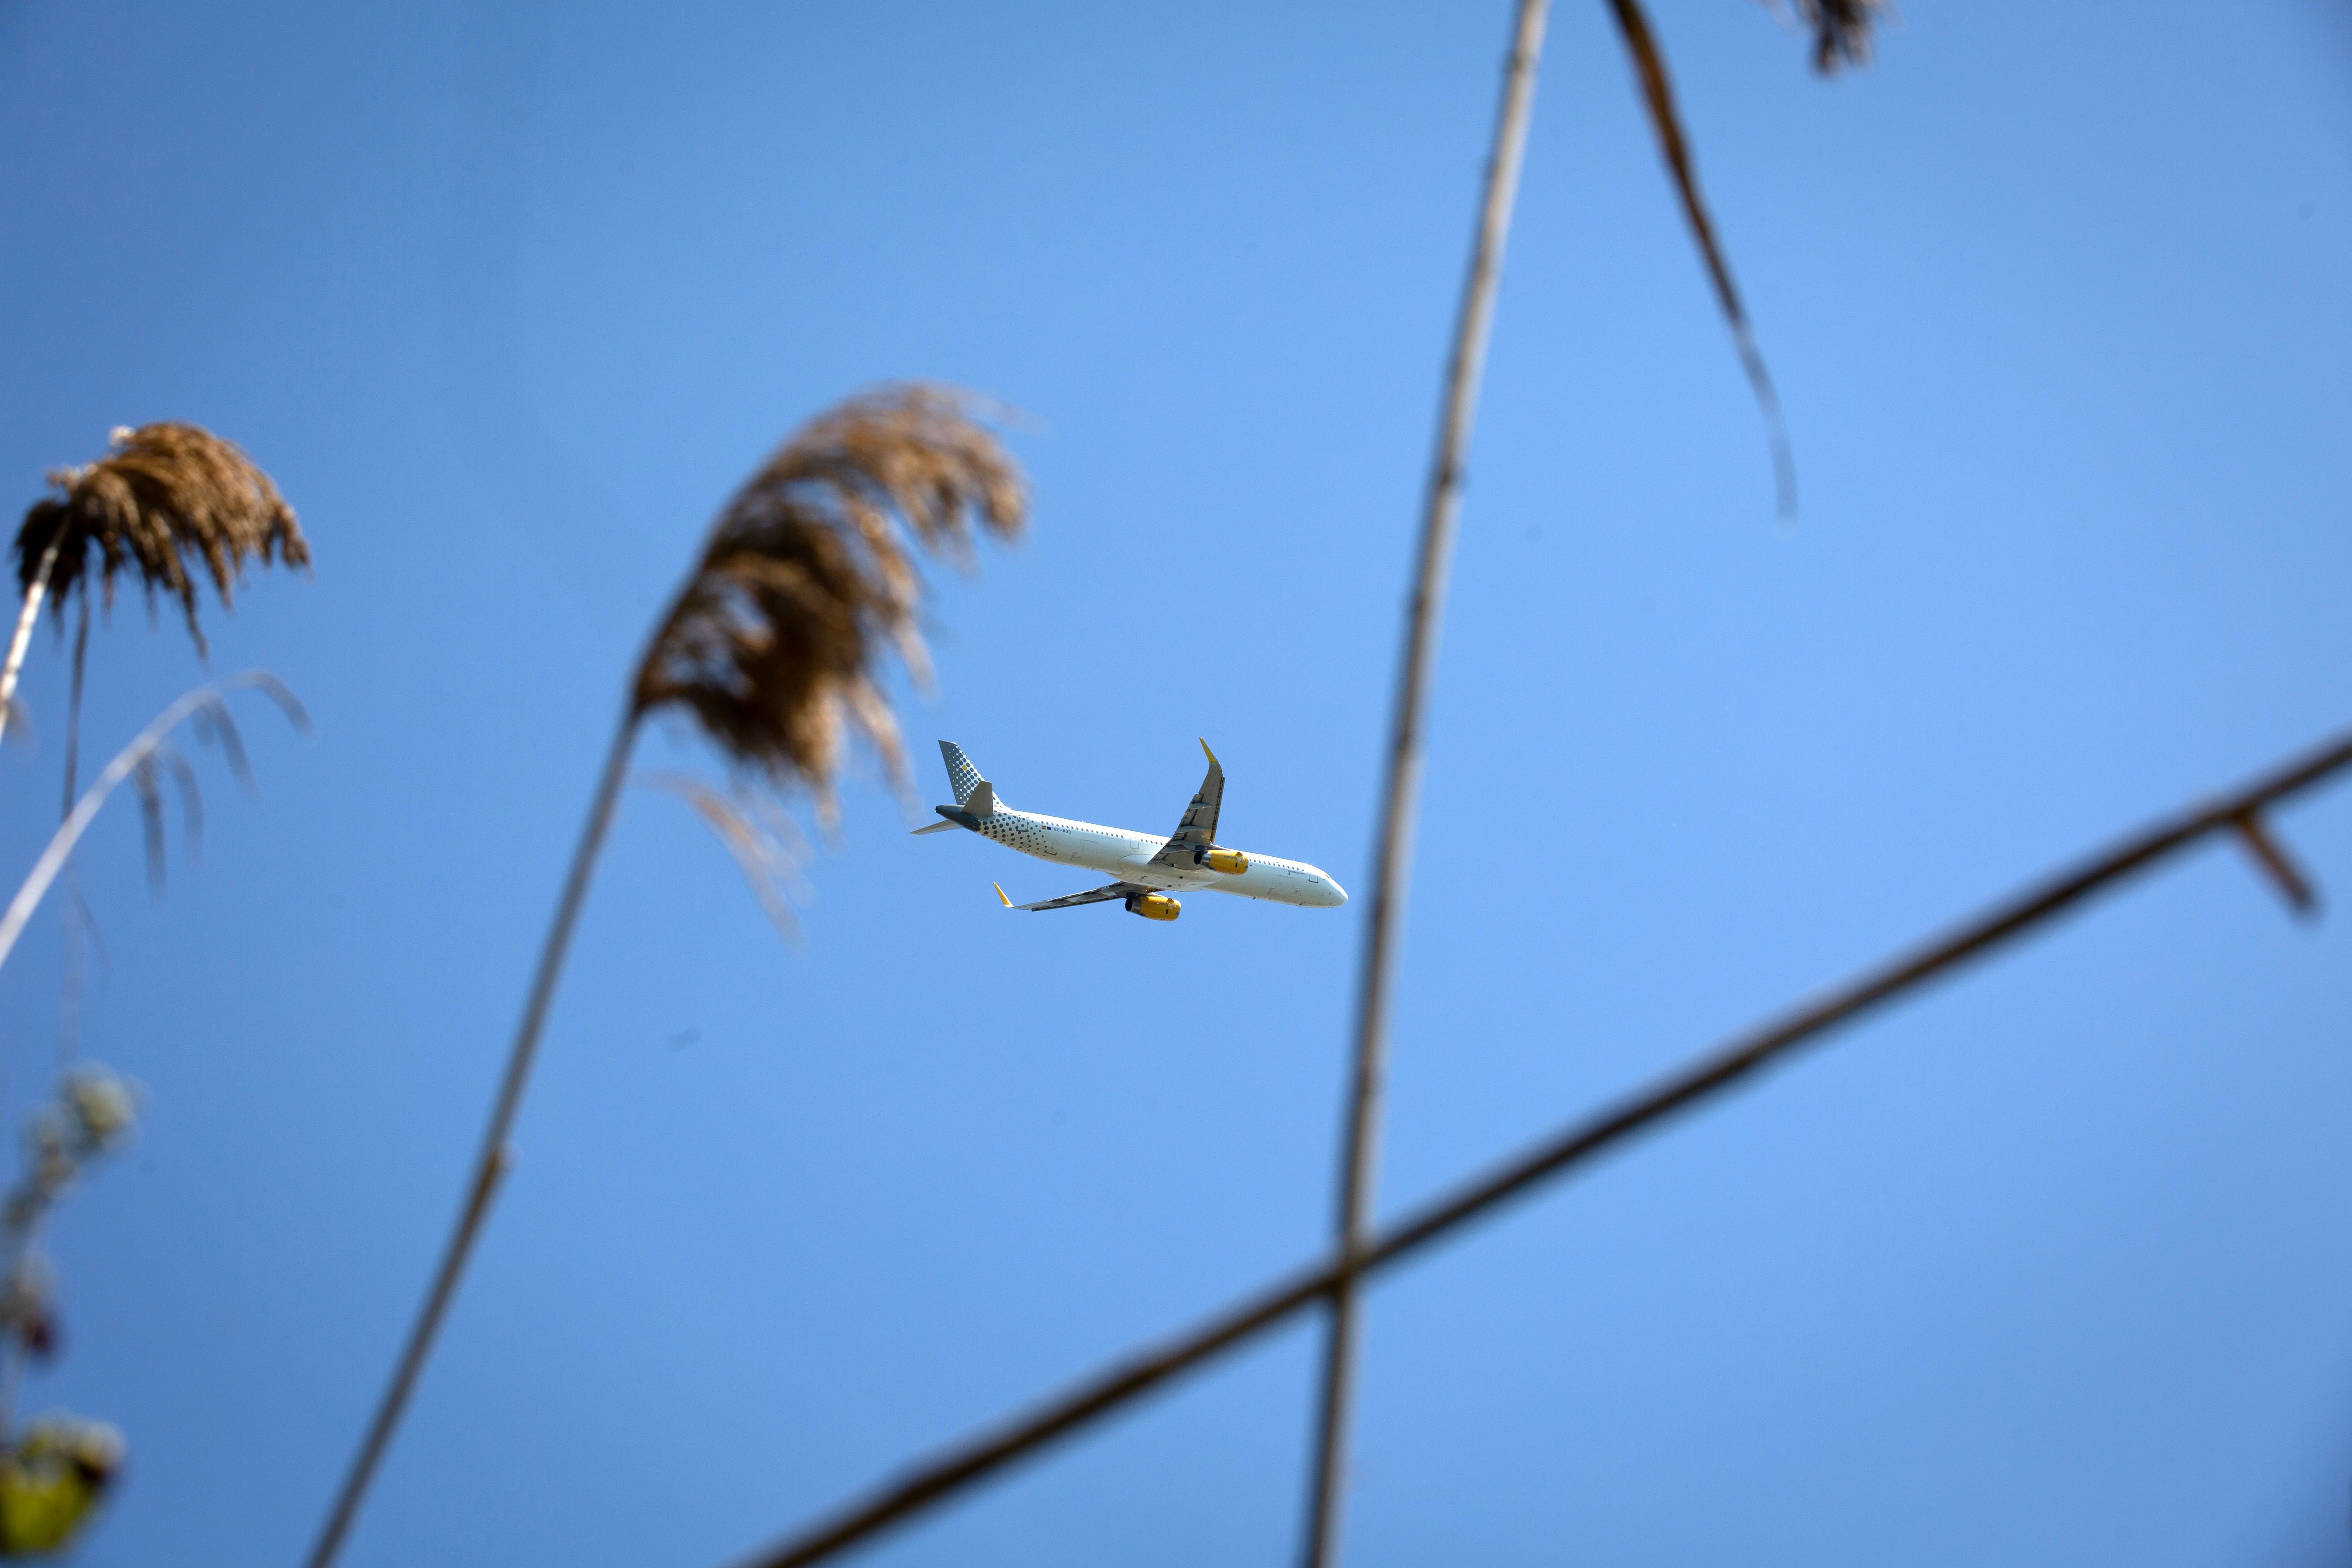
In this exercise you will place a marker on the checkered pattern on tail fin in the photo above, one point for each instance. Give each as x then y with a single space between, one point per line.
963 777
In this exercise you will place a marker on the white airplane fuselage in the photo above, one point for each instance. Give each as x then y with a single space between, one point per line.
1117 852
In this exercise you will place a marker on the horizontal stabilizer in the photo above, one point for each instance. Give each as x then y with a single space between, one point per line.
981 801
937 827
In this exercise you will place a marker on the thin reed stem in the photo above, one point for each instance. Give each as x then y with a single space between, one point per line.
1440 514
25 617
126 763
70 983
73 705
966 1464
491 1160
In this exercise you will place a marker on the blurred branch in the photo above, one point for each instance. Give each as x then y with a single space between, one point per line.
1658 98
2277 864
961 1466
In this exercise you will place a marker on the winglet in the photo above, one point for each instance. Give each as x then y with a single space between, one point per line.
1001 898
1213 756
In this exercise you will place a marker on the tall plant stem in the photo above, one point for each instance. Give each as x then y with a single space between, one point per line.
1440 510
490 1161
126 763
23 638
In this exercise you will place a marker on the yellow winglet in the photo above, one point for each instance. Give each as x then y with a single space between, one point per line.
1001 898
1213 756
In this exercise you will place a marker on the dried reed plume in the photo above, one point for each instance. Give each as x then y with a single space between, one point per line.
1841 30
774 647
168 499
775 644
172 503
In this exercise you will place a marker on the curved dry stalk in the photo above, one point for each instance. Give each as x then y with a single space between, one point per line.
1658 98
130 761
773 647
491 1162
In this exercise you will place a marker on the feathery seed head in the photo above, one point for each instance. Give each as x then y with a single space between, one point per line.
776 642
168 501
1841 31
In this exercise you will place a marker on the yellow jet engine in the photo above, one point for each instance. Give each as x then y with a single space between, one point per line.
1232 862
1154 906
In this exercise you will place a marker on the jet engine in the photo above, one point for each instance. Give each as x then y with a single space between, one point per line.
1153 906
1232 862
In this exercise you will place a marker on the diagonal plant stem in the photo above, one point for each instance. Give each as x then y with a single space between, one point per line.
126 763
490 1163
1441 511
1674 146
977 1458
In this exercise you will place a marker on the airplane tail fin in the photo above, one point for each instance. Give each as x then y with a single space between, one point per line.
965 779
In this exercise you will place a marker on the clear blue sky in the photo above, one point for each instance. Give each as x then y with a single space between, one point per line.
2054 1266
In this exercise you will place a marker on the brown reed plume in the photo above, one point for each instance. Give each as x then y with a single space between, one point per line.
1841 30
775 643
775 649
173 504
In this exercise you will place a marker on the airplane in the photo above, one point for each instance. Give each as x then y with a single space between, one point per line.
1151 869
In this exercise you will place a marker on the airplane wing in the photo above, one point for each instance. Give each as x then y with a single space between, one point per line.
1198 830
1100 895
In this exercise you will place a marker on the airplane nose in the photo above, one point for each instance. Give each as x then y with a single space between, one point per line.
1339 893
